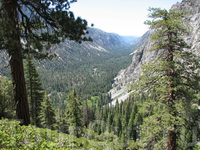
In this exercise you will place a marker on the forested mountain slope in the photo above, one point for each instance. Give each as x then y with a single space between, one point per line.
141 55
89 67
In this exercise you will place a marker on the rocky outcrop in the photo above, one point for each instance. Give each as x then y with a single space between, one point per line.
141 55
193 20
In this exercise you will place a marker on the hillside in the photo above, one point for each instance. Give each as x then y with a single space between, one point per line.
141 55
89 67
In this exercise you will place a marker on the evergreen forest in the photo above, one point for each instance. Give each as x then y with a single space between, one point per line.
56 74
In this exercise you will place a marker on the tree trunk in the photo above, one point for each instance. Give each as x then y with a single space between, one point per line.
16 62
32 112
172 140
171 102
20 96
172 134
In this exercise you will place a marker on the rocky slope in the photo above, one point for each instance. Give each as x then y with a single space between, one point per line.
102 44
141 55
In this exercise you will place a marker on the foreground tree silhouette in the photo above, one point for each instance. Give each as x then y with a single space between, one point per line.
31 27
171 81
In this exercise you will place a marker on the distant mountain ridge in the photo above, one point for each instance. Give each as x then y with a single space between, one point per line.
110 40
102 43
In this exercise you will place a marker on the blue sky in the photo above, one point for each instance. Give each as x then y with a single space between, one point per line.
124 17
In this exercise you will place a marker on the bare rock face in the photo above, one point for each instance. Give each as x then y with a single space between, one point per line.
193 20
142 54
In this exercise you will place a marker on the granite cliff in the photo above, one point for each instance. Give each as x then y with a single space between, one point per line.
141 54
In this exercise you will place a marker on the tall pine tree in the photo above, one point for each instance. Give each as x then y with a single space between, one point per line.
61 120
174 78
7 107
74 112
34 90
31 27
131 125
47 113
85 114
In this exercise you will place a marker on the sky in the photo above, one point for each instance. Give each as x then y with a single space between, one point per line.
124 17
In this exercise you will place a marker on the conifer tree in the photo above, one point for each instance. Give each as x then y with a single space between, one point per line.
47 113
117 106
34 90
174 78
127 112
109 122
7 106
86 114
121 110
74 111
119 125
61 120
131 125
31 27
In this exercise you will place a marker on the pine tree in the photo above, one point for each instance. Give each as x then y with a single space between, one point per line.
109 122
61 120
47 113
117 106
127 112
74 111
34 90
131 125
173 77
119 125
31 27
7 107
86 114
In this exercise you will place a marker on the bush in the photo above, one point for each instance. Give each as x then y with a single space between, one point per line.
14 136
